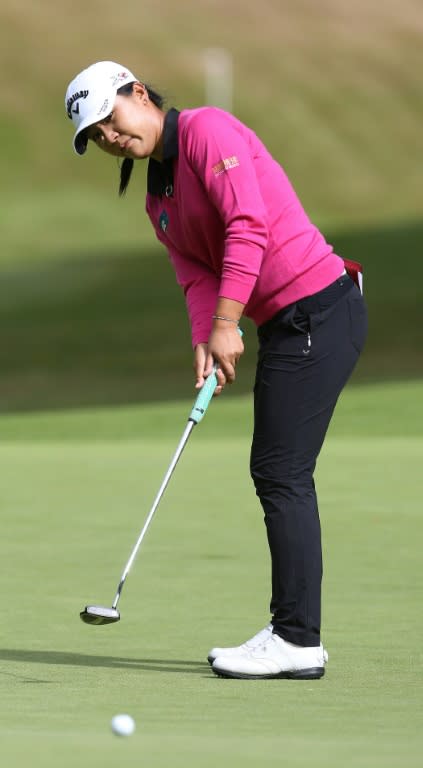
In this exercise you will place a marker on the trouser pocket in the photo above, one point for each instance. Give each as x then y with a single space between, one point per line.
358 319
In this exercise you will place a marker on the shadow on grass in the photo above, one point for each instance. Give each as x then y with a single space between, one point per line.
59 658
107 329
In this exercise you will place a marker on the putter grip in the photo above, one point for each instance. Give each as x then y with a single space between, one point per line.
203 398
205 395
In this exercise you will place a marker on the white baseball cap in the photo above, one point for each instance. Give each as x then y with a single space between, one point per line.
91 95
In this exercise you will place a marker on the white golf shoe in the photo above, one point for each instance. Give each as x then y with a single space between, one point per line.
273 658
253 642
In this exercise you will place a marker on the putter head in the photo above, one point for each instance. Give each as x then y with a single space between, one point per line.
99 614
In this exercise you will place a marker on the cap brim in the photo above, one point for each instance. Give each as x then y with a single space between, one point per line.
80 139
80 143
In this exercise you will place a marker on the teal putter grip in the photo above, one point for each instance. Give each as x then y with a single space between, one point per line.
203 398
205 395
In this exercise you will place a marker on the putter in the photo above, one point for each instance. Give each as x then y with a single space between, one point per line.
100 614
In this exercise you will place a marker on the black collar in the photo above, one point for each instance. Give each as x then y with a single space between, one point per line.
160 175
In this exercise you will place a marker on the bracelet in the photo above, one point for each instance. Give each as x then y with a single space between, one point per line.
228 319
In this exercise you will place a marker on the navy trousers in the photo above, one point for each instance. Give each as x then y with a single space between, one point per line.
306 355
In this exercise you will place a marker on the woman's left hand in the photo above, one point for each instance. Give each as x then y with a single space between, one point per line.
203 367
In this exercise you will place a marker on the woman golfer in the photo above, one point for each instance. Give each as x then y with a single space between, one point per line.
241 244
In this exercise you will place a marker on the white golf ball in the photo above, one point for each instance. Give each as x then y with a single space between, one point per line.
123 725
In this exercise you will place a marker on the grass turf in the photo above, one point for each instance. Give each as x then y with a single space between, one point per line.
75 490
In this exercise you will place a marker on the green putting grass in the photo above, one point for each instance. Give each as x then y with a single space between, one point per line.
75 489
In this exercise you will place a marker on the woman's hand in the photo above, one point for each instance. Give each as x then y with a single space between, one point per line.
203 367
225 347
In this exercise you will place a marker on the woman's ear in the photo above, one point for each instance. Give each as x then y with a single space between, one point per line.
140 92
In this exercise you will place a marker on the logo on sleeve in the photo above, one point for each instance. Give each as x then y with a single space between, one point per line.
225 165
163 221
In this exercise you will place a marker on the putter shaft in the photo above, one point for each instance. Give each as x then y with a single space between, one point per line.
182 443
99 614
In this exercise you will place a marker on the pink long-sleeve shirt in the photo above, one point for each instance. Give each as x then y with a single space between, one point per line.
233 224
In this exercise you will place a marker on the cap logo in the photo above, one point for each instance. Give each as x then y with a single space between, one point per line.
72 99
116 79
103 107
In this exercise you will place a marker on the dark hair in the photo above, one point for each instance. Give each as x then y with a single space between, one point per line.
128 164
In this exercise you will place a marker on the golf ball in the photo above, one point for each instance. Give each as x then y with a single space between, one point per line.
123 725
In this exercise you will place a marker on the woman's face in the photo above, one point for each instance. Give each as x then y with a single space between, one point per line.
133 129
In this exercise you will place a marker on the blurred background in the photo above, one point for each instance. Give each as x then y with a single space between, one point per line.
90 313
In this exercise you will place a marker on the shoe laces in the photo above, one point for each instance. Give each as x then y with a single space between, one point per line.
264 647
